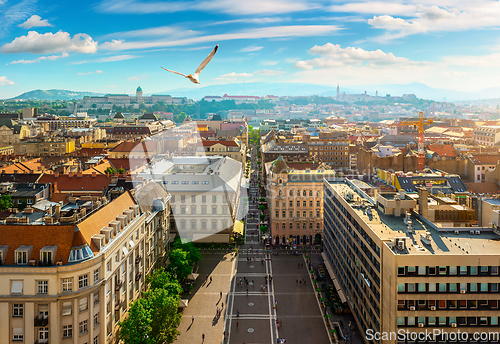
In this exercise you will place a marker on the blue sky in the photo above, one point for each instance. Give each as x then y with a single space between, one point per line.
113 46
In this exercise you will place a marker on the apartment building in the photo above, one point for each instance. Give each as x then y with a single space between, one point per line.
400 273
44 147
330 147
295 200
230 148
61 122
69 273
206 195
487 135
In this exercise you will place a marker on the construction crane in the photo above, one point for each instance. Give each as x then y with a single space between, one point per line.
420 124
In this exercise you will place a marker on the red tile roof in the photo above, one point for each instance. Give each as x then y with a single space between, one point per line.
484 159
443 150
128 146
491 188
37 236
86 182
207 143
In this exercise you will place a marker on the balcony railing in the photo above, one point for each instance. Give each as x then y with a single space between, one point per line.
138 259
42 341
118 305
41 320
138 276
118 285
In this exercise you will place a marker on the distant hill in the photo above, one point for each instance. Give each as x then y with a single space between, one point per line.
304 89
54 95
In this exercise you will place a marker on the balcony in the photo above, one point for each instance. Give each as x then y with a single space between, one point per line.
138 260
41 320
138 276
42 341
118 305
118 285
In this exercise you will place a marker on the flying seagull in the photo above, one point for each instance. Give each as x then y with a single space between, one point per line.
194 78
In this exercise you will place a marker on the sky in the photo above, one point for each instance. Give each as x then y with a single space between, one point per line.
114 46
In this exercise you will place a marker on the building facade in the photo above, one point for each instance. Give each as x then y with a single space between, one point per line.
385 266
487 135
295 201
230 148
69 276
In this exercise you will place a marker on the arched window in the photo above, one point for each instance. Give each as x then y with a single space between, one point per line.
298 193
280 194
318 193
280 181
291 193
283 225
304 193
310 193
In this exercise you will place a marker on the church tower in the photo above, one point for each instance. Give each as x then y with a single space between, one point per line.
338 91
138 93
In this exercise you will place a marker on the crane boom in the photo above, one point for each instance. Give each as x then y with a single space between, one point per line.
420 124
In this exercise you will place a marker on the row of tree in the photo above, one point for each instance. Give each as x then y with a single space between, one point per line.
154 318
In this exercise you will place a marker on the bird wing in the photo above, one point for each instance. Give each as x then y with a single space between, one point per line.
173 71
207 60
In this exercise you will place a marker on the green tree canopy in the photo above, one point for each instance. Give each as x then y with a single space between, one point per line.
193 254
6 202
162 279
179 263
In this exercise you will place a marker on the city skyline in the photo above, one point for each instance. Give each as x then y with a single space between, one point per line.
113 46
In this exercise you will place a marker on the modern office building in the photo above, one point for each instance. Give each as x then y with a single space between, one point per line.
69 273
399 272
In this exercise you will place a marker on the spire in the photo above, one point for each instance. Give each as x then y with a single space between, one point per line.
279 165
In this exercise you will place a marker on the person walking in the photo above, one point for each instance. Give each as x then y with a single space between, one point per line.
237 324
210 278
192 319
203 337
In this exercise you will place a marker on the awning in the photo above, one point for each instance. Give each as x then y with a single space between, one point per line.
17 287
183 303
238 227
216 238
193 277
333 277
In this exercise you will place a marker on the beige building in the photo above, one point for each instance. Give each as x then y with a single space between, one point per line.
68 276
231 148
295 201
487 135
401 274
45 147
12 132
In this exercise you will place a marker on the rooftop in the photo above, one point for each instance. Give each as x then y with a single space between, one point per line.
388 228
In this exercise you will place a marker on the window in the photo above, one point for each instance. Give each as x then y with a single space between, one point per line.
96 276
108 266
494 287
18 310
193 224
83 281
411 321
442 287
83 327
401 287
203 199
193 209
411 287
96 298
96 319
463 270
214 210
473 270
214 225
193 199
453 287
83 304
18 334
453 270
43 287
421 287
304 203
432 287
432 270
21 257
96 339
401 321
107 288
203 210
46 256
411 269
203 225
473 287
214 199
442 270
117 257
277 213
401 270
66 308
421 270
67 331
484 287
431 321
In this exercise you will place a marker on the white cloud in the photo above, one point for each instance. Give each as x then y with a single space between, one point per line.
135 78
41 58
332 55
236 75
259 33
427 19
49 42
263 20
270 63
98 71
35 21
218 6
250 49
170 31
375 7
87 73
4 81
116 58
490 60
269 72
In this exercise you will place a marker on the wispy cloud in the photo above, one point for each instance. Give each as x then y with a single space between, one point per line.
41 58
5 82
259 33
107 59
263 20
135 78
36 43
35 21
170 31
236 75
270 63
14 13
250 48
269 72
87 73
218 6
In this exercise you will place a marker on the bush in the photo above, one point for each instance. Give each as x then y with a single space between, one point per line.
262 217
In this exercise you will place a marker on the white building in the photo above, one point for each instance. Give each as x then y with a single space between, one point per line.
487 135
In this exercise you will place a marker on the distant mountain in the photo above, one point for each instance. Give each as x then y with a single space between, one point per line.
305 89
54 95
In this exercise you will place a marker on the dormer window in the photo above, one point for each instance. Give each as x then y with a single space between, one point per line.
47 255
3 253
22 254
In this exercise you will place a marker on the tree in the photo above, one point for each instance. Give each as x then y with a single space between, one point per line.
6 202
153 319
162 279
179 263
193 254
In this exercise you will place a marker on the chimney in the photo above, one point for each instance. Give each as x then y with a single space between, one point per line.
423 202
58 212
56 175
94 174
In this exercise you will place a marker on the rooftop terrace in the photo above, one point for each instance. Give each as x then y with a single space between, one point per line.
388 228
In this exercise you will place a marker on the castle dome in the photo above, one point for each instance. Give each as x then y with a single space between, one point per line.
139 89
